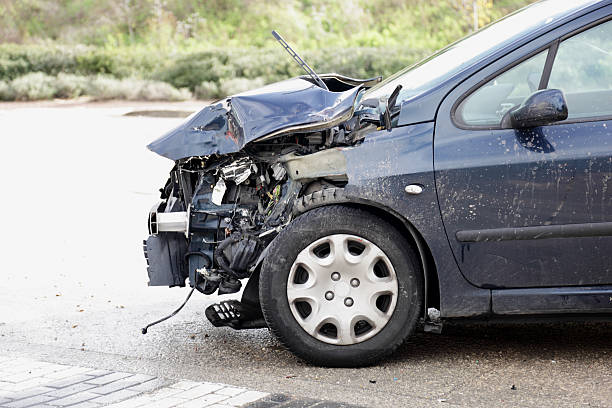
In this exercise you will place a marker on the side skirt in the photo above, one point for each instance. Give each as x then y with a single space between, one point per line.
594 299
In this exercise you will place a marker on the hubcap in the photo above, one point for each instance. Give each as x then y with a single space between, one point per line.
342 289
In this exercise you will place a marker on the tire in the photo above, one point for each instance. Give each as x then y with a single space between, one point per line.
293 280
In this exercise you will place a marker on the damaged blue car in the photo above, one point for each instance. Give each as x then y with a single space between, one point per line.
474 184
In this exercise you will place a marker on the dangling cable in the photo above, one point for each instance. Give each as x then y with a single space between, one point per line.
144 330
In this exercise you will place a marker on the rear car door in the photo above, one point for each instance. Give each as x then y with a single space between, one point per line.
532 208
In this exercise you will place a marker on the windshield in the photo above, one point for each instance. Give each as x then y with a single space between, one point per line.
441 66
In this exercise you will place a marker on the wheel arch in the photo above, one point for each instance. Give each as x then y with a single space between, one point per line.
335 196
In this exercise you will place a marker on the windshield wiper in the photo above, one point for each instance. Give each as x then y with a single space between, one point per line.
390 105
300 61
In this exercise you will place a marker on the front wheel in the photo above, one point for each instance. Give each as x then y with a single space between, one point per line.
341 287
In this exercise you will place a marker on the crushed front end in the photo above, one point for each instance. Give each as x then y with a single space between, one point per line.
240 167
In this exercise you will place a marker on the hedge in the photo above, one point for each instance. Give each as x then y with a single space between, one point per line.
207 74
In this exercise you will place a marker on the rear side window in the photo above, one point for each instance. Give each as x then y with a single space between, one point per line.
487 105
583 71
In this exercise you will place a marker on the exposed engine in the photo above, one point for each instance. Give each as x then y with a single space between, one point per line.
219 213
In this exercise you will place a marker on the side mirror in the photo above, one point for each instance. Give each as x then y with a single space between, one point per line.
540 108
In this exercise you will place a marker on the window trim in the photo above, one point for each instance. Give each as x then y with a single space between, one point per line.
550 59
552 47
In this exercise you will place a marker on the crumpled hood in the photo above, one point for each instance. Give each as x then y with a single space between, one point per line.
228 125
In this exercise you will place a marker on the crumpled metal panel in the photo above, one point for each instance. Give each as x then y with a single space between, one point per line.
227 126
206 132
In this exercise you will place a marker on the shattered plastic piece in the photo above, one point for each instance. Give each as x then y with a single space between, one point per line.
268 232
278 171
243 176
218 192
433 314
205 273
238 172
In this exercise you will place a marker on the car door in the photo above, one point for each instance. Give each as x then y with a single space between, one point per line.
533 207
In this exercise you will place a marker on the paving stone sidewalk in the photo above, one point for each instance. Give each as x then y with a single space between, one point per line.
30 383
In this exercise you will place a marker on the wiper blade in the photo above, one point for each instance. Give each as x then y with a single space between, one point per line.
390 105
300 61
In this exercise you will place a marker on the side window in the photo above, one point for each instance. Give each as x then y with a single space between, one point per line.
583 71
487 105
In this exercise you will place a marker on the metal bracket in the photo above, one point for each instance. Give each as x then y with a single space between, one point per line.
433 323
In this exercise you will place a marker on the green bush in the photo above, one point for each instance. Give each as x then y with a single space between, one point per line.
18 60
189 69
119 73
234 86
33 86
70 86
207 90
12 68
38 85
193 69
271 65
104 88
6 92
161 91
98 62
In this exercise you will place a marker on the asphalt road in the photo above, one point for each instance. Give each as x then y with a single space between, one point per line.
77 184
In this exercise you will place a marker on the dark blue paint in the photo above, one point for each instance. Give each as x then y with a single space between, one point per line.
206 132
552 175
379 170
227 126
